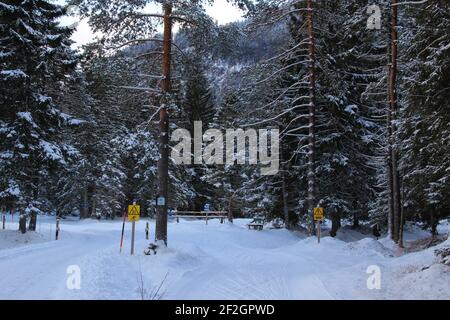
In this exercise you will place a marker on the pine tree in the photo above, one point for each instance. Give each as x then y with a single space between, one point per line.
36 62
125 23
344 136
425 116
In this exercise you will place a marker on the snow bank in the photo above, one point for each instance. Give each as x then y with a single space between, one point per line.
431 283
13 238
368 246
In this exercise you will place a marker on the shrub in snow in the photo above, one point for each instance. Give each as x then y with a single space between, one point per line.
443 255
151 248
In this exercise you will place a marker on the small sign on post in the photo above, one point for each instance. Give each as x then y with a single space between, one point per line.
160 201
134 213
318 217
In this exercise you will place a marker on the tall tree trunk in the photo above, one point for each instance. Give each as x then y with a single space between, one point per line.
433 224
285 205
312 115
163 163
94 208
230 208
113 212
335 223
22 222
85 207
390 218
395 186
402 218
33 220
355 220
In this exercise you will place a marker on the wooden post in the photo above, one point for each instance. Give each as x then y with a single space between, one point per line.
4 221
178 219
133 229
318 231
57 229
146 231
207 218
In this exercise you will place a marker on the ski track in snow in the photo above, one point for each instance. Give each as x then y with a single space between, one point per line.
214 261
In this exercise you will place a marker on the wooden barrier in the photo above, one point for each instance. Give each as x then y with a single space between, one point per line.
203 215
201 212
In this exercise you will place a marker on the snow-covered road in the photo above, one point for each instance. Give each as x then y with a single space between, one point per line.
214 261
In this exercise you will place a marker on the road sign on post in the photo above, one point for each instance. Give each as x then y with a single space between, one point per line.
134 213
160 201
318 217
318 214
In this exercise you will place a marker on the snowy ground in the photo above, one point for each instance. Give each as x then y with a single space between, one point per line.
214 261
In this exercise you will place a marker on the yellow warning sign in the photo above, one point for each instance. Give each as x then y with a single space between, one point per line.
318 214
134 212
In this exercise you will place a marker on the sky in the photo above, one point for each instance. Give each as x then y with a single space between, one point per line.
221 11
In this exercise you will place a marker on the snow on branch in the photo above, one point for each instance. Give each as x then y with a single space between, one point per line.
409 2
135 41
277 116
137 88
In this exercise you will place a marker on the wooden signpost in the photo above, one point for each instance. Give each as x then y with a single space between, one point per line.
134 213
318 217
